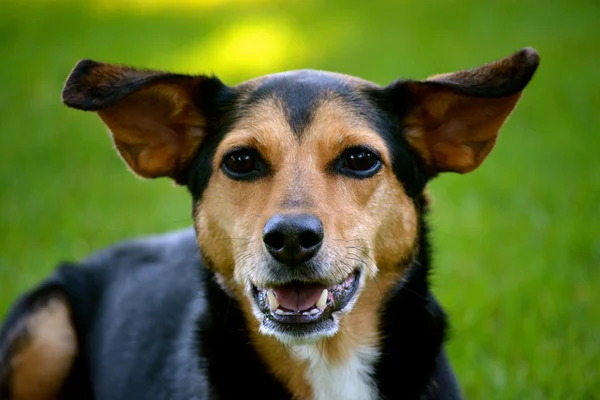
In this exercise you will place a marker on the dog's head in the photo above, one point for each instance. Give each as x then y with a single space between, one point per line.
307 185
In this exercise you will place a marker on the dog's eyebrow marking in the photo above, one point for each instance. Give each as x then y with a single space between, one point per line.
300 93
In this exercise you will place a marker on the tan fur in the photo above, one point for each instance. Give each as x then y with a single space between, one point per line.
43 361
370 221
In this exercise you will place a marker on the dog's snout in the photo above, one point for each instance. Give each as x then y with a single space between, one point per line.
293 238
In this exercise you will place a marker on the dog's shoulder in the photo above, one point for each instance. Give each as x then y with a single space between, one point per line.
130 276
142 339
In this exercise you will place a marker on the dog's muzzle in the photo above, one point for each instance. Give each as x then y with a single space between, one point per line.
302 309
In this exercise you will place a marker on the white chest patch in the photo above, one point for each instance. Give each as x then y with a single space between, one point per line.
347 381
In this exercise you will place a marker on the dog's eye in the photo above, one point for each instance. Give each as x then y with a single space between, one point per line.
242 164
360 162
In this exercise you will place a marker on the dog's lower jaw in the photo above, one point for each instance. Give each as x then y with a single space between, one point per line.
307 339
327 315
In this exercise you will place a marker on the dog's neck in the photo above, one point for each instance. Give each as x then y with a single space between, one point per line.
377 352
329 378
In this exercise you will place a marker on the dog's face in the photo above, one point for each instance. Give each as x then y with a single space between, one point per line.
302 207
307 185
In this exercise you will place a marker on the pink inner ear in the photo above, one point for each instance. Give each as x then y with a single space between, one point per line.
151 161
454 132
156 131
148 146
461 157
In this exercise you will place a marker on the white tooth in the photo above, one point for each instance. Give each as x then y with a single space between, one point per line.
279 312
322 302
273 303
314 311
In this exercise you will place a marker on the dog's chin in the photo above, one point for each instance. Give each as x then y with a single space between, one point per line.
300 312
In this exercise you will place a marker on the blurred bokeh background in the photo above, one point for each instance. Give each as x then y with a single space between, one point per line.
518 243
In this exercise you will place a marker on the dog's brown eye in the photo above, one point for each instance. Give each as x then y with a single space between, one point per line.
360 162
242 164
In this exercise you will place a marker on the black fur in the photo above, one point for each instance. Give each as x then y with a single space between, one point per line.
387 109
231 363
509 76
104 85
221 111
415 329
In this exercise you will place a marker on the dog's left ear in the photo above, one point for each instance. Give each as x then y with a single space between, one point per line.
155 118
452 120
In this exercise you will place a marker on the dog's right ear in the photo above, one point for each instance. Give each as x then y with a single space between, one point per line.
452 120
155 118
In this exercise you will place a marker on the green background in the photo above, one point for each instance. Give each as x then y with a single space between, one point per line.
517 241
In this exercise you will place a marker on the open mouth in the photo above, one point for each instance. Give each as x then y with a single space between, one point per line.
299 307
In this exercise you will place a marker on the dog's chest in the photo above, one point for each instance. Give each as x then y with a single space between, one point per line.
350 380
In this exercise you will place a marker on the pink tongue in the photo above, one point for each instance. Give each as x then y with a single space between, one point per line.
298 297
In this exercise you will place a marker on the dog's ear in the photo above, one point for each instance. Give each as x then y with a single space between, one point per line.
452 120
155 118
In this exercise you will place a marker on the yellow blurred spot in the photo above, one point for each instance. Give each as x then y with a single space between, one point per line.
150 6
241 50
245 49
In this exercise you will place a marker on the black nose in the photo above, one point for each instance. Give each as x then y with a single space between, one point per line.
293 238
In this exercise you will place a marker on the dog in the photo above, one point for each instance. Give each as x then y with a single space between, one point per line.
306 272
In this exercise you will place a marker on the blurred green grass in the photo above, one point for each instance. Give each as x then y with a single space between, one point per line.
517 241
